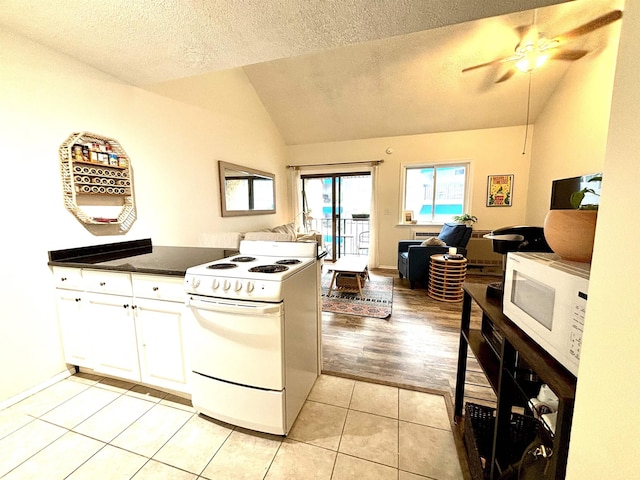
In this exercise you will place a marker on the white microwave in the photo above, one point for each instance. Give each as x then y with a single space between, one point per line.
547 298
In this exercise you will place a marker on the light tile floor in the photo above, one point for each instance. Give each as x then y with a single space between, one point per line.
88 427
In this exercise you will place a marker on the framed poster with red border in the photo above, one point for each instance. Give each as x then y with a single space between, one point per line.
500 190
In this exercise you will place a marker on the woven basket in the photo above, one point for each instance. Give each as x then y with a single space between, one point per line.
348 280
478 438
478 435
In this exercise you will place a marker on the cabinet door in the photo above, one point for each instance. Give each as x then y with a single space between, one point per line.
113 335
161 343
74 327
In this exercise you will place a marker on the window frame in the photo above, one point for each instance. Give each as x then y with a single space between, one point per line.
405 167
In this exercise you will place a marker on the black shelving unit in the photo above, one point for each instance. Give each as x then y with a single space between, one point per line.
515 367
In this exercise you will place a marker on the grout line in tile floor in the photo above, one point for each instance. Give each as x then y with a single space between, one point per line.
288 456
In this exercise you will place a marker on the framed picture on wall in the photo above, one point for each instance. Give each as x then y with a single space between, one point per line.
499 190
407 215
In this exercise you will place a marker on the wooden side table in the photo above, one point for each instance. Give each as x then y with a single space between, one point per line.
446 277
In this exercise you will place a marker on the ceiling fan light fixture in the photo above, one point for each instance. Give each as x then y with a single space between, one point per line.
535 48
531 61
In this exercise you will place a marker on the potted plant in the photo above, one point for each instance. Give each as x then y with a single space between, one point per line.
570 233
465 218
577 197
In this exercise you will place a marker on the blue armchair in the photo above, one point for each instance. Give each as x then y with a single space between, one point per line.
413 258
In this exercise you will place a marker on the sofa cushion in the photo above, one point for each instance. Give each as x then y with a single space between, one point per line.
289 228
452 234
433 241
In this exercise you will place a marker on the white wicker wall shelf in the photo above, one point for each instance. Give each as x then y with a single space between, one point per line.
97 180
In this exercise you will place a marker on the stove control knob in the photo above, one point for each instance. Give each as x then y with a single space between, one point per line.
216 284
238 286
195 282
250 287
227 285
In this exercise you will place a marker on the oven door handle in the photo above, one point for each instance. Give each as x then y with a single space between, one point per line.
233 308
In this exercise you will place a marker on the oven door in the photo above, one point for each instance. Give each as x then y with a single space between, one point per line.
239 342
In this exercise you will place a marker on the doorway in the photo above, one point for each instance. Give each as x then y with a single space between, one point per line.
338 206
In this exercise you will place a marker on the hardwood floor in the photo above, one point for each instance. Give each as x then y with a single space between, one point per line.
417 346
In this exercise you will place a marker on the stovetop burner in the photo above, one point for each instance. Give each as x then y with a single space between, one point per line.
243 259
288 261
269 268
221 266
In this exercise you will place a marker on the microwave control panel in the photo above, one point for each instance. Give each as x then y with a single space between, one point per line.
577 325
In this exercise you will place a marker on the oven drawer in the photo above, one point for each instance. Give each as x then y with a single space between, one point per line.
260 410
158 287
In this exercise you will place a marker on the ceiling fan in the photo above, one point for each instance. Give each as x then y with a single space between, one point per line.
534 48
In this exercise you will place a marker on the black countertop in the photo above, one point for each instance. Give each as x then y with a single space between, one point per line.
138 256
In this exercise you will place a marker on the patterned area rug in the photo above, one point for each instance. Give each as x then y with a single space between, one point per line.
376 301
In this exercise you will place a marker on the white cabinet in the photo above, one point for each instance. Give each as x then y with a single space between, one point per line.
161 343
102 281
125 325
74 327
160 309
113 335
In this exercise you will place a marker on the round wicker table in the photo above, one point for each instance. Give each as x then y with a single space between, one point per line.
446 276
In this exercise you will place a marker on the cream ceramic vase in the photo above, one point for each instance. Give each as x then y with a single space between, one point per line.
570 233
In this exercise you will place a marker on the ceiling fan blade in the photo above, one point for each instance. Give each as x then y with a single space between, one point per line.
494 62
569 55
507 75
594 24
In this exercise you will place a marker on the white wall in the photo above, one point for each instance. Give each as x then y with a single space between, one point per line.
44 97
571 131
491 152
604 438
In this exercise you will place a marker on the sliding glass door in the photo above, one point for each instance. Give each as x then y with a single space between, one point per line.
338 205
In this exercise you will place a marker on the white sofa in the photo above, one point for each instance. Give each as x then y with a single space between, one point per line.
282 233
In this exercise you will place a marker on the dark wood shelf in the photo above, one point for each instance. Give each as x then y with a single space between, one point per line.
550 371
486 357
502 369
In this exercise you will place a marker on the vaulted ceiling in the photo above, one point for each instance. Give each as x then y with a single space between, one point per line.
324 70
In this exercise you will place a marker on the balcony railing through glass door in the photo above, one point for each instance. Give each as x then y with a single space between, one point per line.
352 239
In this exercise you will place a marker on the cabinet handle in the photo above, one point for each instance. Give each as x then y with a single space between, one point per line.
126 305
155 289
78 299
63 279
133 307
102 284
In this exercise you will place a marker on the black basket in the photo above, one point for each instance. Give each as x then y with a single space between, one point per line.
478 438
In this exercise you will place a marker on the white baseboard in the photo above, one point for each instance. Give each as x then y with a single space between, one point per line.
27 393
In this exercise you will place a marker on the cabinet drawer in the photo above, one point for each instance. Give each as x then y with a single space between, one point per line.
102 281
158 287
66 277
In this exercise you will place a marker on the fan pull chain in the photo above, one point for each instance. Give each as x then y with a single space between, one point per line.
526 131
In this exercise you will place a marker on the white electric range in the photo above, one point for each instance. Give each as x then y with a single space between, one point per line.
254 334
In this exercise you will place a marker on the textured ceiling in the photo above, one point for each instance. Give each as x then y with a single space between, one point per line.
414 84
325 70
